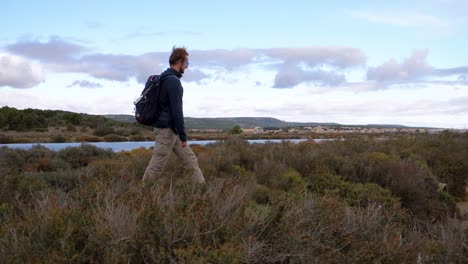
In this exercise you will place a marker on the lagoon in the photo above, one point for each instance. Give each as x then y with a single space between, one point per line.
125 146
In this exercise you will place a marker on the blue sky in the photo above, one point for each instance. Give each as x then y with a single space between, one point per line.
353 62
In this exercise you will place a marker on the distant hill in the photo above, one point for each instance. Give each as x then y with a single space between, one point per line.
248 122
35 119
121 118
228 122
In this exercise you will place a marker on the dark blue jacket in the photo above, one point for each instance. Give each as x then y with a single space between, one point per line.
171 114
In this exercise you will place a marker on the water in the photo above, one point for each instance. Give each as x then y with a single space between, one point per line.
119 146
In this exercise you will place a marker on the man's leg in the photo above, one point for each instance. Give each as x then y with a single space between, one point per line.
164 143
190 161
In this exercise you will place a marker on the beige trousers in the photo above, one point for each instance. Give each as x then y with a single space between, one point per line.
166 142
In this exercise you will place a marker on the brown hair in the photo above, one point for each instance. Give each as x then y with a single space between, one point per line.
178 54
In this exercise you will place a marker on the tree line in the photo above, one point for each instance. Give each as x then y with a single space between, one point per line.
39 120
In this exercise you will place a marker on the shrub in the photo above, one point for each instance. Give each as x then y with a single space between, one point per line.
261 194
57 164
58 138
110 168
11 160
65 180
114 138
415 187
103 130
291 179
322 183
5 139
40 129
122 132
51 232
138 159
135 130
15 161
137 138
71 128
268 172
87 138
235 130
23 186
356 194
83 155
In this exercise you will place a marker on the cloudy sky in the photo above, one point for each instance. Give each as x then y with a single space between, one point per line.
350 62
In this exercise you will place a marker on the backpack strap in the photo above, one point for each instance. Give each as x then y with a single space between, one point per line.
161 81
169 76
152 78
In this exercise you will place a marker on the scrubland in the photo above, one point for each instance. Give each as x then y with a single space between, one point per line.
359 200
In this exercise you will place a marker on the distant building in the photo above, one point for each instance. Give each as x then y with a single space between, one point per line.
272 130
249 130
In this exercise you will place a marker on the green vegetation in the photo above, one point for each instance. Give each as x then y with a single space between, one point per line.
236 130
226 123
34 126
358 200
38 120
43 126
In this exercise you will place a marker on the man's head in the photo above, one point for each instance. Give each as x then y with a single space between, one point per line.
179 59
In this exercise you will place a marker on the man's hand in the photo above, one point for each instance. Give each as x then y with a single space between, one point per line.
184 144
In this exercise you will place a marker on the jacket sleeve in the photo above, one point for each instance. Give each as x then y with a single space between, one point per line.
175 93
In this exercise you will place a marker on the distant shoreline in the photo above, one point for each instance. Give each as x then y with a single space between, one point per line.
57 135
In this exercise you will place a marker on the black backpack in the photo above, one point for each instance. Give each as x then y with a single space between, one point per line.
146 106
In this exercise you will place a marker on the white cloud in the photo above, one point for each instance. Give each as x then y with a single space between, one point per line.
413 72
55 50
194 75
315 66
340 57
438 106
292 76
354 110
85 84
62 56
19 72
411 69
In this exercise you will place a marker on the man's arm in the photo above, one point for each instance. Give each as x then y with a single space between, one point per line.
175 93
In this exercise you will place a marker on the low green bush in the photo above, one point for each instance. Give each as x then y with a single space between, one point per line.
136 138
290 180
356 194
114 138
5 139
103 130
261 194
88 138
66 180
83 155
58 138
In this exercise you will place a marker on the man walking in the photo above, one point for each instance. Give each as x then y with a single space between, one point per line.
169 128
